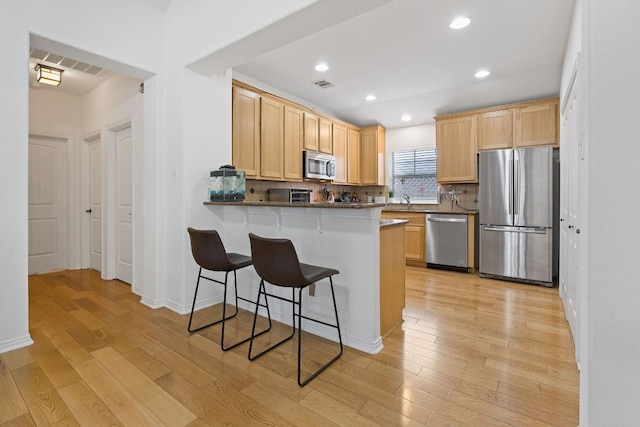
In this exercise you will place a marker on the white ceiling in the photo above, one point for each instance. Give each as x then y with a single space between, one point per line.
405 54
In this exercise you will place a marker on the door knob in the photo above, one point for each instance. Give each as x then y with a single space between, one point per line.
570 227
88 211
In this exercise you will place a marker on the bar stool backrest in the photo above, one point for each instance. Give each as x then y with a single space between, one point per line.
208 250
276 261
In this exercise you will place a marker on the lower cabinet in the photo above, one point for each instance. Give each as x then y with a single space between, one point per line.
415 237
392 276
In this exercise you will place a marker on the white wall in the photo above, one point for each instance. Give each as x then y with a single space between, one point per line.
610 38
121 30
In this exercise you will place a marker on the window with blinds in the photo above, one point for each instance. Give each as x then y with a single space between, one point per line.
413 172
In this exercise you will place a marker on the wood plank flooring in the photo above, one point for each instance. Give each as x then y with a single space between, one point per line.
471 352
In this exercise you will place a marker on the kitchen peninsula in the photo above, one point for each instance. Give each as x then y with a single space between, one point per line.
344 236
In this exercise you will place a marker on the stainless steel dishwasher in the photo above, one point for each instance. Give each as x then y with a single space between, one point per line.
447 241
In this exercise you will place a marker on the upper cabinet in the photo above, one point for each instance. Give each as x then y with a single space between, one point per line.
353 156
270 134
271 142
340 151
292 143
456 150
520 125
537 124
372 166
325 135
246 131
460 136
311 122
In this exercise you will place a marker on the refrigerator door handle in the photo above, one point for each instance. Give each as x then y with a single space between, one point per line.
516 187
509 175
536 230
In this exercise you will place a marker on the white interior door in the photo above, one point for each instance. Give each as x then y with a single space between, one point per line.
124 199
47 204
570 261
95 206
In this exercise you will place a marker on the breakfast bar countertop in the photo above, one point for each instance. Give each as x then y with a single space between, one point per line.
330 205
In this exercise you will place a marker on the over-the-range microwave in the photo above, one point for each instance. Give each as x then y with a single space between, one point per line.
319 165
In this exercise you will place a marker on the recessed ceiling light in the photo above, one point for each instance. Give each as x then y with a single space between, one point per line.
406 118
370 98
482 73
322 67
459 23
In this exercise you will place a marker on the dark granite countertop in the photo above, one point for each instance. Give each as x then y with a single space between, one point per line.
301 205
426 211
390 222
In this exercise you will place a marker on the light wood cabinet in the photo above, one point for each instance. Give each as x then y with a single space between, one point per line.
271 143
537 124
415 235
496 129
340 152
526 124
292 141
246 131
372 166
311 122
325 137
270 134
456 149
392 277
353 156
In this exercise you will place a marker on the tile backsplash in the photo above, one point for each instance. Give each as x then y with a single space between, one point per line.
257 190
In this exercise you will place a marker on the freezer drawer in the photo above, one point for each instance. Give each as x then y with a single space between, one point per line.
521 253
447 240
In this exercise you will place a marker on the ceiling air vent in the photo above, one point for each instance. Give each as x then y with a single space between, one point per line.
322 84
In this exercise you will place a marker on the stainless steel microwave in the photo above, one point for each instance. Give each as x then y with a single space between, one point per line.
319 165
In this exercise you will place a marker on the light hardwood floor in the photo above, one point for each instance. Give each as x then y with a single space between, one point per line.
470 352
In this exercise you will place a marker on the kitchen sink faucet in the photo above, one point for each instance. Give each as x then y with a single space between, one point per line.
408 199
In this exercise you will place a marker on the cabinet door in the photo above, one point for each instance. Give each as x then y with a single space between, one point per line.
271 141
537 125
246 132
340 151
325 142
456 150
496 129
353 156
311 122
368 156
293 119
414 243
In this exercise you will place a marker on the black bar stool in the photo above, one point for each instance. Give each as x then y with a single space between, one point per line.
209 253
276 262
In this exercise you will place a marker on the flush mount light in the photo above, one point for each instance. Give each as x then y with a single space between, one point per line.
405 118
370 98
459 23
321 67
482 73
48 75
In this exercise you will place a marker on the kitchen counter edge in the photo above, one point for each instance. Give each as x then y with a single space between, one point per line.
301 205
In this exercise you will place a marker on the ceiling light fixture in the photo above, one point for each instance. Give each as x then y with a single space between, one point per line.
406 118
459 23
370 98
482 73
321 67
48 75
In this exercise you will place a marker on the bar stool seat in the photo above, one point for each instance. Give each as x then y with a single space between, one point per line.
209 253
276 262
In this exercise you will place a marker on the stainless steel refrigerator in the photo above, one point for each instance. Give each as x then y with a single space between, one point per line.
517 214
